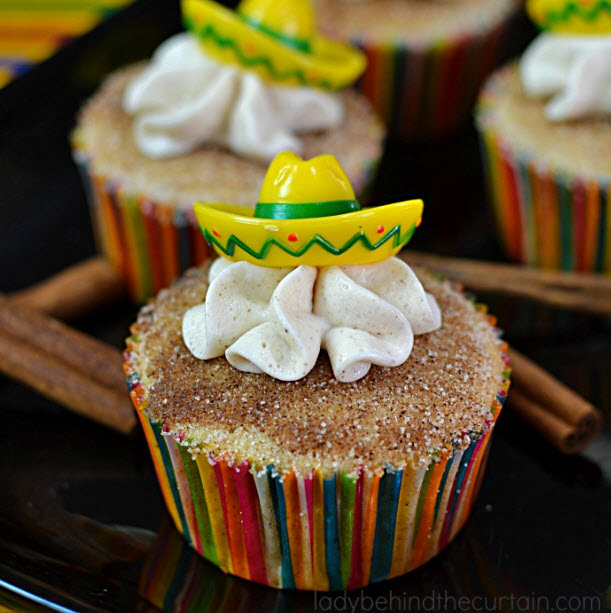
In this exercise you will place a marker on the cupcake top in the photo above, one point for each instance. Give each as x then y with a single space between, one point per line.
440 399
579 147
416 21
230 359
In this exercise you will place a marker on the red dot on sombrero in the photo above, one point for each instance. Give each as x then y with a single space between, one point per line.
418 223
380 229
293 237
216 233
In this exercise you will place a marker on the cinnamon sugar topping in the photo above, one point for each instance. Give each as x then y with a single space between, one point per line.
438 400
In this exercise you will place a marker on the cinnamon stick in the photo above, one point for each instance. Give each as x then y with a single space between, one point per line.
564 418
72 347
76 291
572 290
557 432
66 385
66 365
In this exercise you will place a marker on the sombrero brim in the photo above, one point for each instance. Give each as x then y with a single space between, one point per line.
225 36
571 17
362 237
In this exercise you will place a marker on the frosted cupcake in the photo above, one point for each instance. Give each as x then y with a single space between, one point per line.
319 415
426 59
546 139
204 117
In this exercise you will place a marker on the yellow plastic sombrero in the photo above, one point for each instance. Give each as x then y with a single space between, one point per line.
572 16
277 39
307 214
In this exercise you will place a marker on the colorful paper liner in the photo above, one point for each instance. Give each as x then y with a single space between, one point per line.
152 243
425 92
546 218
313 532
148 242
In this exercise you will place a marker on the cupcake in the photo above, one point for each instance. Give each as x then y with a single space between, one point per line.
426 59
309 469
546 140
203 119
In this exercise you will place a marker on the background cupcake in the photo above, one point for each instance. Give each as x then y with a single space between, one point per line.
303 471
426 58
546 137
201 120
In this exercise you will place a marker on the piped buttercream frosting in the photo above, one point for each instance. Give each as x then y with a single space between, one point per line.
573 71
184 99
276 321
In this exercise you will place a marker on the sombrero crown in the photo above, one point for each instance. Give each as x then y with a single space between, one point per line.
277 39
307 213
572 16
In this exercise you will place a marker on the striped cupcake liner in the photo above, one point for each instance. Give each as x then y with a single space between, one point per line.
546 218
424 92
315 531
150 243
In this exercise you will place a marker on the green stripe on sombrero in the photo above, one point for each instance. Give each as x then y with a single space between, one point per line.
289 41
208 31
303 210
234 241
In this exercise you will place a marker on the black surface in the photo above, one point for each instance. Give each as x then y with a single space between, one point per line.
81 517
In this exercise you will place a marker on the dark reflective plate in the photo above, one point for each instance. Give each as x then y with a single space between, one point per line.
82 524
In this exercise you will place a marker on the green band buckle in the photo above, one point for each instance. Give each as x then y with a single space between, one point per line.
295 43
303 210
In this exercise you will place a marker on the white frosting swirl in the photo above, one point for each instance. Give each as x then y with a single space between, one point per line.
276 321
574 70
183 99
